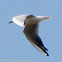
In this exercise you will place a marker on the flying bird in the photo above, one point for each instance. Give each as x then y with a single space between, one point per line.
31 29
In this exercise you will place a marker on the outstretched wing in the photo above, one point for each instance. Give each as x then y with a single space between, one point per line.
34 28
31 32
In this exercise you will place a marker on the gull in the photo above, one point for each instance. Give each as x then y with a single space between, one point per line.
31 29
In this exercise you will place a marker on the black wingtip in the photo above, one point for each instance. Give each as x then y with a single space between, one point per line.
47 54
45 48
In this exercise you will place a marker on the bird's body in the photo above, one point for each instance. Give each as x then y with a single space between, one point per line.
31 29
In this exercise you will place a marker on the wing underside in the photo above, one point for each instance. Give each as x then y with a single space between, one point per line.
31 32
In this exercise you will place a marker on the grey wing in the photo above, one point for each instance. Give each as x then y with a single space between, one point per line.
34 28
31 32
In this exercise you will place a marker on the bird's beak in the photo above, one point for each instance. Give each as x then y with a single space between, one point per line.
10 22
